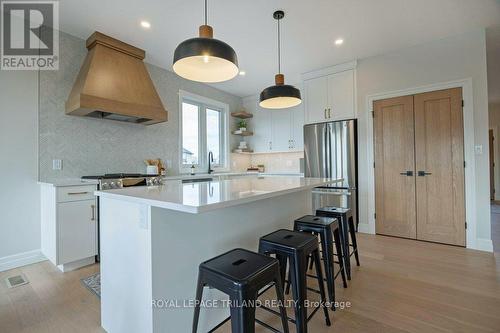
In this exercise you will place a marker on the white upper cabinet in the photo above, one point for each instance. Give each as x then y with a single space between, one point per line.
330 94
316 99
281 121
275 130
261 141
297 140
341 95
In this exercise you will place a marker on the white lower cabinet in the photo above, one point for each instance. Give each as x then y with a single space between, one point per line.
77 230
69 225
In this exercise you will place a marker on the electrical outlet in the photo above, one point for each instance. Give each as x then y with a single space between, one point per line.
168 164
478 149
289 163
56 164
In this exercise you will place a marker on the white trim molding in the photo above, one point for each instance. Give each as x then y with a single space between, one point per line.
484 245
225 129
21 259
470 171
330 70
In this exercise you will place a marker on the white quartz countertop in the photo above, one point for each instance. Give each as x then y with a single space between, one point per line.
69 182
206 196
231 174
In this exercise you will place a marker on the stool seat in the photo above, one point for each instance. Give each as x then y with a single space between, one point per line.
288 239
339 210
318 221
239 265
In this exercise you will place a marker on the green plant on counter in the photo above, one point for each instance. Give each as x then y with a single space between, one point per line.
242 124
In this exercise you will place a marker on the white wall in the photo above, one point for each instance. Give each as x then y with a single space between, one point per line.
19 192
449 59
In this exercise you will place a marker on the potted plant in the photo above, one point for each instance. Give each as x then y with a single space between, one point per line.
242 125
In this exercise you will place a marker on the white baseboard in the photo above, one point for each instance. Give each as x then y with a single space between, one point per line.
366 228
76 264
21 259
484 244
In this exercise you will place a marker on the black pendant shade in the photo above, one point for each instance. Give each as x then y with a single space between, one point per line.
205 59
281 95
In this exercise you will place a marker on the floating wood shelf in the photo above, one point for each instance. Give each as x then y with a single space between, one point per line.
241 114
244 133
242 151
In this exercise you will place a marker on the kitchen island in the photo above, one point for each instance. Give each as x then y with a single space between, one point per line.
154 238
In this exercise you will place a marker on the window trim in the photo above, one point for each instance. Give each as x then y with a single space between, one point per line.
203 103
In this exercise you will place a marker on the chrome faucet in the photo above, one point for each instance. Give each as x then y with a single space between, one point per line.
210 161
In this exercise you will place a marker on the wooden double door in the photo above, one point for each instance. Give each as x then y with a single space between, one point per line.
419 167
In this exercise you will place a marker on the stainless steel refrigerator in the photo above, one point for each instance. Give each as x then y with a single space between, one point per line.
330 151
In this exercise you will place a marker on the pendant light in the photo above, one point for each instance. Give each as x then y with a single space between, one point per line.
281 95
205 59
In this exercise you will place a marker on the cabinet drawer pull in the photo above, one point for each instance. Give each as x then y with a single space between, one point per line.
325 114
92 207
329 113
77 193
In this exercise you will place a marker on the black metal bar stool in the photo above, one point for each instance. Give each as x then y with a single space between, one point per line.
241 274
295 248
346 227
328 230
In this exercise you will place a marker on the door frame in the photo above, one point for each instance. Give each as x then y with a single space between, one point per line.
496 161
470 169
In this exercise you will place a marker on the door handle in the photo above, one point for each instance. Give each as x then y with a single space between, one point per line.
329 113
325 114
423 173
92 207
408 173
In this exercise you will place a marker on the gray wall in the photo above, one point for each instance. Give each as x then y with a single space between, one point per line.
19 194
92 146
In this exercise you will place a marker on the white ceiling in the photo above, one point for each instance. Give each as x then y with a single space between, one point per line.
369 27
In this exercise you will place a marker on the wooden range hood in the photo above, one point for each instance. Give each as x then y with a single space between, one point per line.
114 83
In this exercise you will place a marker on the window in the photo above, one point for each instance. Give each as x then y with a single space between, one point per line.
203 130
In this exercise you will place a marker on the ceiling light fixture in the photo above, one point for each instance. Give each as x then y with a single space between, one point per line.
204 58
145 24
339 41
281 95
243 73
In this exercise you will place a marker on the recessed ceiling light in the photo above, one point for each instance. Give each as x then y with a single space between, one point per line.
243 73
145 24
339 41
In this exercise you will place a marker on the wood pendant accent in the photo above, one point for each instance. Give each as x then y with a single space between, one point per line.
279 79
206 31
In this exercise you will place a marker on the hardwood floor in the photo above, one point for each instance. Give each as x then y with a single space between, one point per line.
401 286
